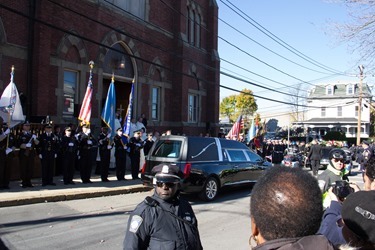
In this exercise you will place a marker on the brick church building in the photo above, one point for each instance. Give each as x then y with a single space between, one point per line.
167 48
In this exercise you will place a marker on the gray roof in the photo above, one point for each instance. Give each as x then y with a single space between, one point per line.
339 91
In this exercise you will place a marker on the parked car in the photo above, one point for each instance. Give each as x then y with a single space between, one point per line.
208 164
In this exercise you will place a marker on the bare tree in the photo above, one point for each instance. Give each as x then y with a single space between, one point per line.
359 32
297 99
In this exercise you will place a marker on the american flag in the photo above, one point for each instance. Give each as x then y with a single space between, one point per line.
235 130
85 112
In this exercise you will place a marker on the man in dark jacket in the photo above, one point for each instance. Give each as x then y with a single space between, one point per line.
314 155
286 211
163 221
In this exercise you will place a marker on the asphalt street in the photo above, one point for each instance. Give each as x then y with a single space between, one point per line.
100 223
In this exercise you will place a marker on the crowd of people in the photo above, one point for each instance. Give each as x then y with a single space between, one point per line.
62 152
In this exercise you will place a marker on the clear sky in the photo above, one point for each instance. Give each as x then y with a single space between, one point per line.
305 26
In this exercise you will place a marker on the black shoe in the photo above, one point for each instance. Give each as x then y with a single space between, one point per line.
52 184
6 187
105 180
43 185
72 182
23 186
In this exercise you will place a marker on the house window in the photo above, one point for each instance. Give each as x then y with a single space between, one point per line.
350 89
70 86
193 108
339 111
135 7
329 90
155 98
356 111
323 111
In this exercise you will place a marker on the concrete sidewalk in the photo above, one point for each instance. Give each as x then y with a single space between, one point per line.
17 195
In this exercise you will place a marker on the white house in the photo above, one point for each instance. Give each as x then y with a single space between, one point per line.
334 107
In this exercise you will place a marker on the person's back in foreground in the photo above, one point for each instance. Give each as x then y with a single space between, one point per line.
286 211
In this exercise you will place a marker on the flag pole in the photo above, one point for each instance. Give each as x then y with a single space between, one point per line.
9 108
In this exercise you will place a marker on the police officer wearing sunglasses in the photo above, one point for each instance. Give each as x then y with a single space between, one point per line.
164 220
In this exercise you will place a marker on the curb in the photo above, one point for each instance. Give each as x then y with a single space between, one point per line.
39 197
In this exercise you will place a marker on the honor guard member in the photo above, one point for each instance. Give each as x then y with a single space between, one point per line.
58 160
26 142
135 144
105 147
6 154
164 220
120 154
86 144
69 146
47 150
148 144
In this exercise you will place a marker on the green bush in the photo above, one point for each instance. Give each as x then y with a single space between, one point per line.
334 135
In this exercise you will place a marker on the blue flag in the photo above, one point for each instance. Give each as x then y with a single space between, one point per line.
108 113
128 116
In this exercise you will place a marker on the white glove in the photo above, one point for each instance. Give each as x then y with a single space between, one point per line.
79 157
7 132
109 146
76 136
8 150
89 142
109 136
55 155
71 144
125 147
34 136
28 145
77 152
138 144
40 156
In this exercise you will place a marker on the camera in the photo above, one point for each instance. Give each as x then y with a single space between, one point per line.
342 189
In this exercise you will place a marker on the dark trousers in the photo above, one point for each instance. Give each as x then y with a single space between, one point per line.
85 166
26 160
315 166
68 166
135 160
4 169
120 167
105 157
48 167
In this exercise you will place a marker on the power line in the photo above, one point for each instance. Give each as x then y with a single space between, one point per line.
280 41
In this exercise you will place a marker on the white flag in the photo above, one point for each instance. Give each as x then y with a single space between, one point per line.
10 105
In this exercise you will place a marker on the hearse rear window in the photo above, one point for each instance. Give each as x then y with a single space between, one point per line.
167 148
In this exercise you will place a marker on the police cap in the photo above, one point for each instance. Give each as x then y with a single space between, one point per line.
165 172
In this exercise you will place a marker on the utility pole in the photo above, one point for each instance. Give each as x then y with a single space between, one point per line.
359 104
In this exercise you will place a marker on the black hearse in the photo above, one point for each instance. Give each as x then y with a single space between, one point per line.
208 164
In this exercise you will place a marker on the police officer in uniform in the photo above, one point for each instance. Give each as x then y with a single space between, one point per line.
86 144
69 146
47 149
163 221
6 154
26 142
120 154
135 144
105 147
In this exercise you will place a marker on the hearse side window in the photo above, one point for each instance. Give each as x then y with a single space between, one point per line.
236 155
167 148
253 156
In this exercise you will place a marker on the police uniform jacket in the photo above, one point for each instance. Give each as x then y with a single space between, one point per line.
69 145
120 147
48 145
153 226
135 144
23 140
